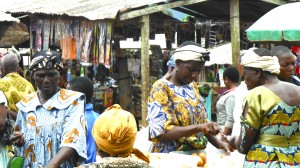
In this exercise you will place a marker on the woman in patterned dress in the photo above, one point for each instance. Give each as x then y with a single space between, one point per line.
50 126
176 111
270 135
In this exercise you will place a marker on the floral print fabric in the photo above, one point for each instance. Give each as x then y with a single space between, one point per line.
60 122
170 106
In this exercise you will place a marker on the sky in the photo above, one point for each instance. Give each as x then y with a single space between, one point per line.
176 14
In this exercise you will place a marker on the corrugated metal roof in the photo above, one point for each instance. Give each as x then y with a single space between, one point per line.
90 9
7 17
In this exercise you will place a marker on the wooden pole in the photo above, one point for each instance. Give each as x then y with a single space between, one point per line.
235 31
145 74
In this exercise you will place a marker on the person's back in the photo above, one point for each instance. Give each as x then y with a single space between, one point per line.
12 84
85 85
290 96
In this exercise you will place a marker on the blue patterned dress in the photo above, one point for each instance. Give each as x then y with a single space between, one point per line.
170 106
277 125
57 123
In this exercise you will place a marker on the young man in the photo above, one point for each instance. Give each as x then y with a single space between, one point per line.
86 86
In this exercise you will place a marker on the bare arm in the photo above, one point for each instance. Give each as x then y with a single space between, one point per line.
218 143
62 156
178 131
3 115
243 144
13 114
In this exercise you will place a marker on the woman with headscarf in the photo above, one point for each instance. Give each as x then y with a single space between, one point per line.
50 126
176 111
270 123
114 132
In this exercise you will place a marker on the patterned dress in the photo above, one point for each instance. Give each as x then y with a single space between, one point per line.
59 122
278 137
15 88
170 106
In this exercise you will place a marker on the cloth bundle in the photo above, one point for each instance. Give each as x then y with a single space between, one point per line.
266 63
114 132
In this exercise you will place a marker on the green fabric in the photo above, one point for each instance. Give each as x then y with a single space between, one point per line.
15 162
273 35
264 35
292 35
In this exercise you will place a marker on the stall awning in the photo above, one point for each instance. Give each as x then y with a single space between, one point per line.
220 55
90 9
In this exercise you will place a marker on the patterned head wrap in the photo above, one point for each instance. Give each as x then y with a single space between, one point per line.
46 59
171 62
266 63
191 53
114 132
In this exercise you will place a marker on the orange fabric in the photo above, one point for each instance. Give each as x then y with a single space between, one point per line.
114 132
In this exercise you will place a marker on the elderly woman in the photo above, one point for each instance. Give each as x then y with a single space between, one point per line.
176 112
114 132
270 123
50 126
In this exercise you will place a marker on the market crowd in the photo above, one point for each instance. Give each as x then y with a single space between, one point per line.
257 115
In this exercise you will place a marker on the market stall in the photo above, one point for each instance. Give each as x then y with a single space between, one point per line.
210 157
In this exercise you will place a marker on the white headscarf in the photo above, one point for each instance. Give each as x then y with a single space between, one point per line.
266 63
191 53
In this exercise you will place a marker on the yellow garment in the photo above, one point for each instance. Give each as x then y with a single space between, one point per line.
277 139
15 88
114 132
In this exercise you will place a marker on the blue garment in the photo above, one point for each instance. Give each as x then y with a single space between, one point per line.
47 127
91 148
208 101
296 80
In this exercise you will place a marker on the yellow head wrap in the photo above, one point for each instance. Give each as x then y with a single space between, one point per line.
266 63
114 132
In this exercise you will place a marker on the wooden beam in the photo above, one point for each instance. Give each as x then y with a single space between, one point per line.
157 8
235 31
145 73
275 2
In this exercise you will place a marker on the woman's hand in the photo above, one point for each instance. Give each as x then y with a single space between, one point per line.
232 142
51 165
17 139
226 146
210 128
